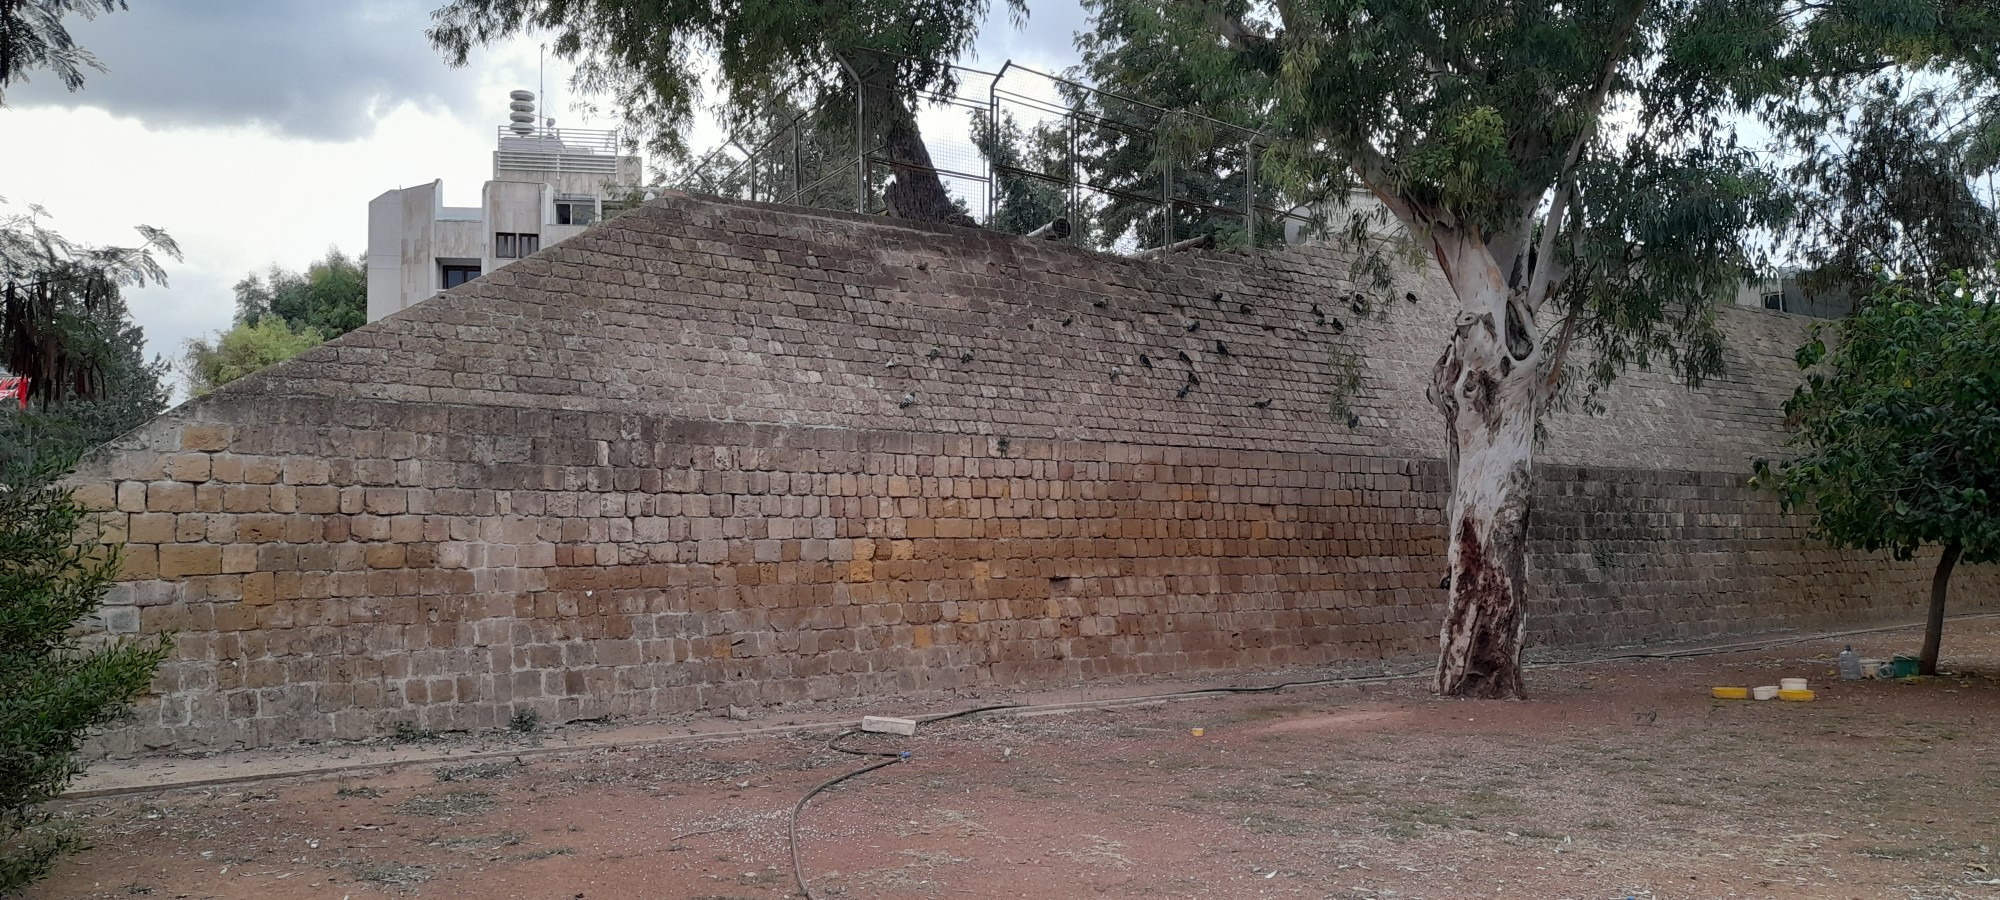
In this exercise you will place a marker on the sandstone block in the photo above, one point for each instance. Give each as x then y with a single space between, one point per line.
184 560
204 437
188 467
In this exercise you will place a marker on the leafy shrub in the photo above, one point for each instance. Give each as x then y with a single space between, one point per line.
57 681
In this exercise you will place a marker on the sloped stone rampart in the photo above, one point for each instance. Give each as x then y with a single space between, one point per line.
710 455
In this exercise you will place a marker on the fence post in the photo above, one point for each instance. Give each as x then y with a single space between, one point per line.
798 176
993 121
1166 199
1075 176
860 152
1250 193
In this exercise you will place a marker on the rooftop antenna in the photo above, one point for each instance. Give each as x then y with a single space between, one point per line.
542 80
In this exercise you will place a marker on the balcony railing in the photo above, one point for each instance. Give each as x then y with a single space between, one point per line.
583 150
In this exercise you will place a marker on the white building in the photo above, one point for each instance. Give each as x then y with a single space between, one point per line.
548 184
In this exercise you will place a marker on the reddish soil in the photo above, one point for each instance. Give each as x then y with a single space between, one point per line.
1617 779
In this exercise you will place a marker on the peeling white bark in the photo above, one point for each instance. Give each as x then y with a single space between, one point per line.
1487 387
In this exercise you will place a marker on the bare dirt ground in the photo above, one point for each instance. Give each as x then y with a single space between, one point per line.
1618 779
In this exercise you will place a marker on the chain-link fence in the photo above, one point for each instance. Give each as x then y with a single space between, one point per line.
1017 151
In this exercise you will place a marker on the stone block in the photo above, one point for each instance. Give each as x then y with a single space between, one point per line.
168 497
204 437
184 560
188 467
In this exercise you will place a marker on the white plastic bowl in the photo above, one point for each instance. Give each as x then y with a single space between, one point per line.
1767 692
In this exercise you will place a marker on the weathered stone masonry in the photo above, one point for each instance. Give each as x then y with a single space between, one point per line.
707 455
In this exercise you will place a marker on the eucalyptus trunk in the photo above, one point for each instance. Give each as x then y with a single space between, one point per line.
1488 386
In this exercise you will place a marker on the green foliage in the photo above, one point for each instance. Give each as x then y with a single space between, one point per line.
800 156
33 36
1893 185
56 684
63 324
1897 426
330 297
1163 112
1591 150
110 388
651 58
1024 202
242 350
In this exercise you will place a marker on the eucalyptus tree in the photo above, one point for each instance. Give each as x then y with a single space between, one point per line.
651 59
1575 171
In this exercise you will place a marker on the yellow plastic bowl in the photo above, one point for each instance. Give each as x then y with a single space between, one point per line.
1731 693
1795 695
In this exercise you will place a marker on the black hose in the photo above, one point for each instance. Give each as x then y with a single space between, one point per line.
798 868
894 757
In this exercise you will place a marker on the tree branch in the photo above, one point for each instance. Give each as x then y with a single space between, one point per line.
1373 170
1538 286
1553 379
1258 49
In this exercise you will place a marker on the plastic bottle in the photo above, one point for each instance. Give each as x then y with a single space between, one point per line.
1850 664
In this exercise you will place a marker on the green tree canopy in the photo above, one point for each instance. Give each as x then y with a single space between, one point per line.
1893 183
1157 114
242 350
329 297
651 59
1897 429
114 389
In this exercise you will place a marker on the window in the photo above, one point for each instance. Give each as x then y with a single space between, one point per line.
1775 300
507 245
576 211
457 275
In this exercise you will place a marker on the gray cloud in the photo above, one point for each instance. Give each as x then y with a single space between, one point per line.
1045 40
311 69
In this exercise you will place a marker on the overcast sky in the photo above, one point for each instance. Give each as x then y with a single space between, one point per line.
256 131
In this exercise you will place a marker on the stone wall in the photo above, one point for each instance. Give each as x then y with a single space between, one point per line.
711 455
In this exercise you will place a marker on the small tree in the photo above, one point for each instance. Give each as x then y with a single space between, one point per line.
242 350
56 684
1899 433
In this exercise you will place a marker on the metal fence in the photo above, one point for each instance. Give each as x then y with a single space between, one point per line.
1023 152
